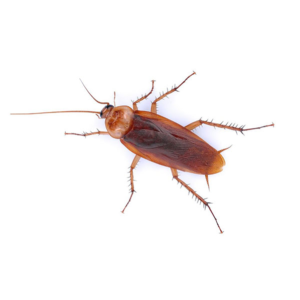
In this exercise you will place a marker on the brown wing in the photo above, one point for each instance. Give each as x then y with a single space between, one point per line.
167 143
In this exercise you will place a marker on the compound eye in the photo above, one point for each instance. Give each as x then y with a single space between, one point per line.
104 110
101 112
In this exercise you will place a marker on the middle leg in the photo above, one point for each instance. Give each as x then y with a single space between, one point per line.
133 165
175 89
142 98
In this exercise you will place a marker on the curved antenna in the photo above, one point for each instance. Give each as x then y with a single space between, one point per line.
107 103
56 112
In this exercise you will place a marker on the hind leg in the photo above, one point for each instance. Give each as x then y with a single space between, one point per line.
206 204
230 127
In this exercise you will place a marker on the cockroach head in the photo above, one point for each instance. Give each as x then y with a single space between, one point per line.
106 110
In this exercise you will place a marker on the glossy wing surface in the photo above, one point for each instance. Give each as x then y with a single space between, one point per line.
165 142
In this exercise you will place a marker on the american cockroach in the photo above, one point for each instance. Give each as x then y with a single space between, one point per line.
160 140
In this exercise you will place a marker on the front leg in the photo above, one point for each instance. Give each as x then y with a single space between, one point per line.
85 134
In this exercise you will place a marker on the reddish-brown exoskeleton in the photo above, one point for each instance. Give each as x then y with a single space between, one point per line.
162 141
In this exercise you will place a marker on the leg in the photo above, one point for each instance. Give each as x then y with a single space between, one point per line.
142 98
133 165
85 134
231 127
206 204
153 106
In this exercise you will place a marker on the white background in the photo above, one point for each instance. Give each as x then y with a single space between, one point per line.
61 231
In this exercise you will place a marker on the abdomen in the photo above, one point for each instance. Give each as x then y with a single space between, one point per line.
167 143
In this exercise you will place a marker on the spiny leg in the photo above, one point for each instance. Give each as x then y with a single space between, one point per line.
85 134
142 98
133 165
154 103
231 126
206 204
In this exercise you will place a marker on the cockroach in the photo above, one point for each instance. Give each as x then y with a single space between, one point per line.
161 140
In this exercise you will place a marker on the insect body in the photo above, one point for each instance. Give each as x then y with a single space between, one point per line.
162 141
